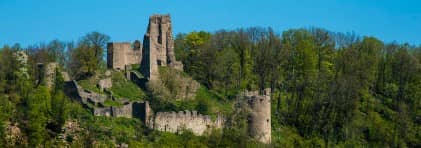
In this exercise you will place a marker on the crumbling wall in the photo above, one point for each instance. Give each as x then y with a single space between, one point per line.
121 54
158 47
22 59
95 103
105 84
47 74
50 74
143 111
186 120
123 111
260 115
101 111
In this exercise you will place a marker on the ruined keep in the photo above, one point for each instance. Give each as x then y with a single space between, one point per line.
120 54
158 47
259 119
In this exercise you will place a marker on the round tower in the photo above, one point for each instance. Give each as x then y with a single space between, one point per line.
260 115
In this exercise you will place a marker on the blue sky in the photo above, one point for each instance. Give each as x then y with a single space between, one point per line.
36 21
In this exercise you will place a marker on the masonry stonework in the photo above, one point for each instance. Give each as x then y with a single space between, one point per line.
47 73
121 54
158 50
158 47
260 115
186 120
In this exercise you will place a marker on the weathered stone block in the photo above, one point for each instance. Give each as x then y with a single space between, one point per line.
105 84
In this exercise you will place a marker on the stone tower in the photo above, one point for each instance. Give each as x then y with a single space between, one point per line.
47 74
158 47
260 115
120 54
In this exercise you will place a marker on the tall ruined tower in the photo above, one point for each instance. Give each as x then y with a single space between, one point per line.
260 115
158 47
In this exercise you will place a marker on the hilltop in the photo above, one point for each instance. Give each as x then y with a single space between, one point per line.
247 87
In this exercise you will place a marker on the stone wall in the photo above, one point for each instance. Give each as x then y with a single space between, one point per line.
158 47
47 73
22 59
123 111
101 111
95 103
186 120
121 54
260 115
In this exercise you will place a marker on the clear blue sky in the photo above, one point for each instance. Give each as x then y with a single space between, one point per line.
36 21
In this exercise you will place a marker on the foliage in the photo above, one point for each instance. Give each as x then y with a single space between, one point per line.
328 90
123 88
87 57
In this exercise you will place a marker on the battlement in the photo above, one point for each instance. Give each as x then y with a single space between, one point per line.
160 19
186 120
260 114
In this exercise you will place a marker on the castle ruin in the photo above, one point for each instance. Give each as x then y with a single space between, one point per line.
47 74
186 120
259 119
158 50
120 54
158 47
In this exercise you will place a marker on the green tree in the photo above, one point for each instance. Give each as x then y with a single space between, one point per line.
87 57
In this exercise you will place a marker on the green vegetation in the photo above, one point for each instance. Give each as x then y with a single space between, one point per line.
328 90
205 102
109 102
123 88
91 83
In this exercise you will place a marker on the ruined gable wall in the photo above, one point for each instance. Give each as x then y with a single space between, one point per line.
122 54
175 122
260 115
133 57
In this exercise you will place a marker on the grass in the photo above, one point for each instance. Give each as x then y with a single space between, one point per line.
123 88
90 84
215 103
109 102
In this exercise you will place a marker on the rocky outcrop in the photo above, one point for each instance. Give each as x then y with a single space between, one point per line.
158 47
186 120
181 87
70 132
13 134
